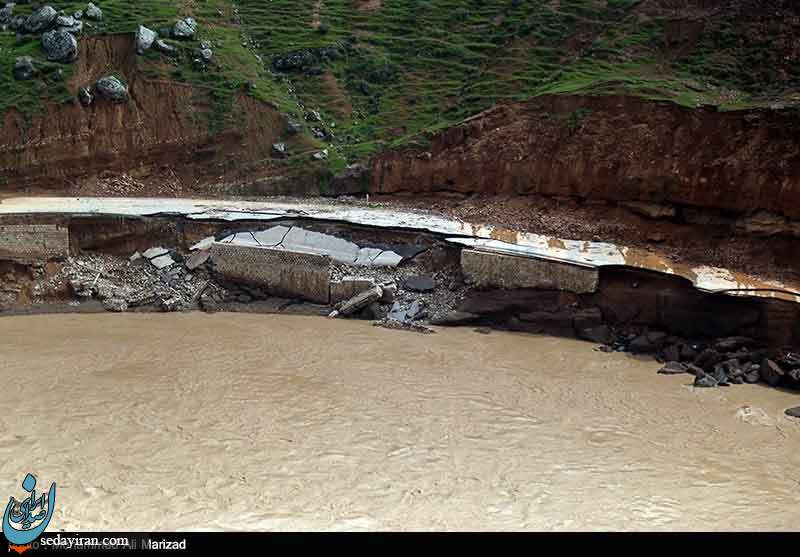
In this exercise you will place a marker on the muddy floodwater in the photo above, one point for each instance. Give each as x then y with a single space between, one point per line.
258 422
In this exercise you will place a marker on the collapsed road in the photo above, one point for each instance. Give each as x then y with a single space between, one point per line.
401 269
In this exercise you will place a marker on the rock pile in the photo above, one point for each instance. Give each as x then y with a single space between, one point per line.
716 363
144 38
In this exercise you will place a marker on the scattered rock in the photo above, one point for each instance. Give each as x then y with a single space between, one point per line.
753 375
293 128
416 311
280 149
771 372
648 342
185 28
93 12
206 54
65 21
419 284
144 38
112 89
600 334
313 116
389 293
75 29
6 13
730 344
673 368
708 358
59 46
41 20
163 47
694 370
720 376
320 155
671 353
85 96
705 380
16 22
23 68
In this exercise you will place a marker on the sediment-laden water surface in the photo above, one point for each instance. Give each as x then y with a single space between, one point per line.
253 422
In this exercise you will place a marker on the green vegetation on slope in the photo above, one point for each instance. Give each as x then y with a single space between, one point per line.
392 72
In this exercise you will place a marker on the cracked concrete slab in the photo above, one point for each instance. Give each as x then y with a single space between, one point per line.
154 252
162 261
272 236
300 240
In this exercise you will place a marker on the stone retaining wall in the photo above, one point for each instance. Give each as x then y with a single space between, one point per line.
30 243
282 273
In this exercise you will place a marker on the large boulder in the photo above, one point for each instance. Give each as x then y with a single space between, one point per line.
144 38
23 68
41 20
770 372
93 12
185 28
6 13
59 46
16 22
70 24
112 89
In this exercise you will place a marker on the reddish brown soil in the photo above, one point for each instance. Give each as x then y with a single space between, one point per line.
611 148
162 133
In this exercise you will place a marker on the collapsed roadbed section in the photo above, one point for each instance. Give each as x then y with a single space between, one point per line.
401 269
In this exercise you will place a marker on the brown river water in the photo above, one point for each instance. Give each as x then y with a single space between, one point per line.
260 422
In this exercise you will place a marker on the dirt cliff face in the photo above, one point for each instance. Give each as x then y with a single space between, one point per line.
611 148
163 128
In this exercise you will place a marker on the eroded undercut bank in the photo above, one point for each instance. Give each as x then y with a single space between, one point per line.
401 275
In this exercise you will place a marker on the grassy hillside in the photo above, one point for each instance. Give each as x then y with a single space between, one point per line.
390 72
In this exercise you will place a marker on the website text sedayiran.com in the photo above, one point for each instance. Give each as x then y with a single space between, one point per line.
81 541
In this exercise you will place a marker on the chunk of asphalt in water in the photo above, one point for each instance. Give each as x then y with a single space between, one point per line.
793 412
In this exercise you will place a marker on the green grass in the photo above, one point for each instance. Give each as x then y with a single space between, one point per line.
418 66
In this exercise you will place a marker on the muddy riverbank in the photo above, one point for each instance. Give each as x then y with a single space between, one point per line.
310 423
